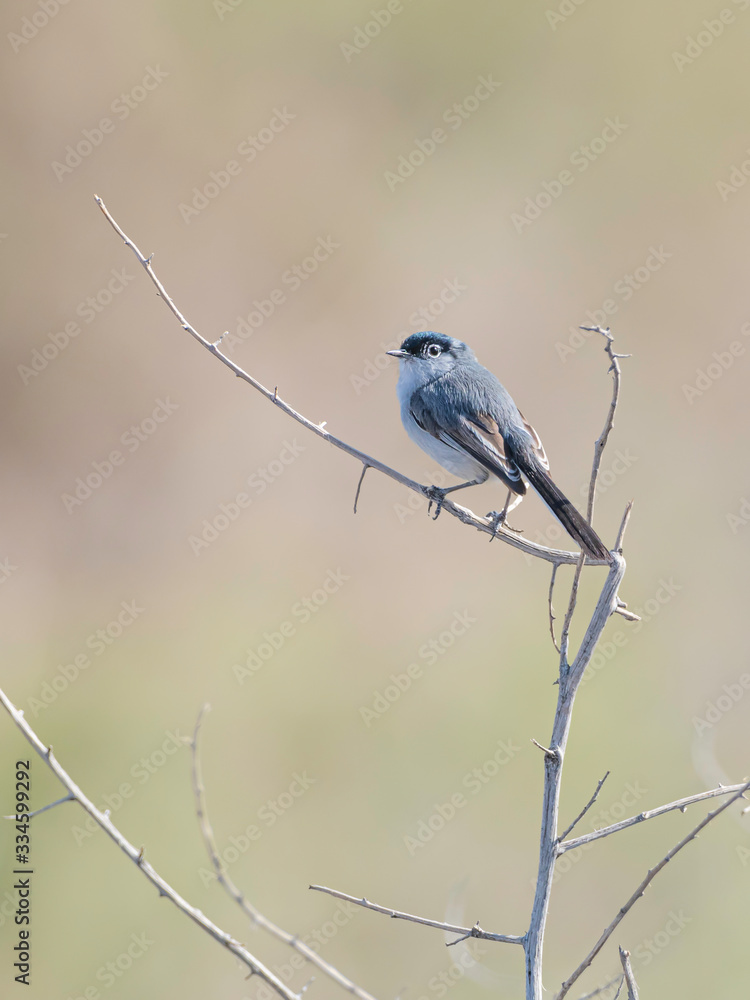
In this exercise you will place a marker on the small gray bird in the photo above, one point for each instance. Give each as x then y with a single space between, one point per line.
458 412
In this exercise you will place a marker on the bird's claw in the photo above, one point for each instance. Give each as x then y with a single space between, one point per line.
436 496
496 519
499 518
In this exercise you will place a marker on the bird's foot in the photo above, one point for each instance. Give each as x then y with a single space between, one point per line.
496 519
499 518
436 496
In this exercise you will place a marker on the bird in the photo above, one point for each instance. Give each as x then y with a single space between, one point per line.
458 412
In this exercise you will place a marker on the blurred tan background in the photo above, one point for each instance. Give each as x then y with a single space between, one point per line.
589 166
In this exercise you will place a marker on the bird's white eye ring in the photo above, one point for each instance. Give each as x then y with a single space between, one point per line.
433 351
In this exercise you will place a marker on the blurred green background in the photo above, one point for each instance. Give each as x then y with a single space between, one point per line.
589 167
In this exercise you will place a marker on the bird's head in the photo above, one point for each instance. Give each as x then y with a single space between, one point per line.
435 351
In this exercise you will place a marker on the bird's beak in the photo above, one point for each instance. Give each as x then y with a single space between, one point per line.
398 354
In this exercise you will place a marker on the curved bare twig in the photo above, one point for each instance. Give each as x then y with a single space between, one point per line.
238 896
136 855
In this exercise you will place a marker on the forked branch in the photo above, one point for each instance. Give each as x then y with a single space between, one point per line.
650 876
136 855
681 804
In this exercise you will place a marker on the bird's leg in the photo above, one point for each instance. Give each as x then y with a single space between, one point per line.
436 494
498 518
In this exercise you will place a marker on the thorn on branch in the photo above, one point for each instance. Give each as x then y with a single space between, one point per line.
549 754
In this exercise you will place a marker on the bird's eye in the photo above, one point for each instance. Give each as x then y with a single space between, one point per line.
433 351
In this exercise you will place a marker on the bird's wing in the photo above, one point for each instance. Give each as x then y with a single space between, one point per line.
480 437
536 442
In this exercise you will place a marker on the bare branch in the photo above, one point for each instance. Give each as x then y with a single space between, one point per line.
466 516
627 968
650 876
551 609
136 856
51 805
610 421
467 932
569 678
681 804
623 526
622 608
568 681
599 446
605 607
237 895
585 809
565 637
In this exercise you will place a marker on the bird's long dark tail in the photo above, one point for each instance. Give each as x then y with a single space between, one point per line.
571 519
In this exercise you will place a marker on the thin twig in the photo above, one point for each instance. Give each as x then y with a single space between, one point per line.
464 937
551 609
466 516
365 467
565 637
51 805
237 895
623 526
650 876
610 421
622 608
585 809
136 855
627 968
467 932
599 446
681 804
